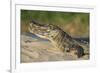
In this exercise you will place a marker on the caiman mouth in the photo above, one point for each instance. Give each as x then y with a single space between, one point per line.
41 30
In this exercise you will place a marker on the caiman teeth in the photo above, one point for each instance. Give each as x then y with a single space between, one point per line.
31 25
30 29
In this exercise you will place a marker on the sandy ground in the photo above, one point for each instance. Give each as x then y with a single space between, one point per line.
37 50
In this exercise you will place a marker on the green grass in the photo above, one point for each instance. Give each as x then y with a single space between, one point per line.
76 24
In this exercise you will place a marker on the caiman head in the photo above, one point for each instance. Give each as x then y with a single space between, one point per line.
46 31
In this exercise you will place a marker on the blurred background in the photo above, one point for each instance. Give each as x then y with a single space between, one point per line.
75 24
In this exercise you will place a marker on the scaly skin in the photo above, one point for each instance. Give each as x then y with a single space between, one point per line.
58 37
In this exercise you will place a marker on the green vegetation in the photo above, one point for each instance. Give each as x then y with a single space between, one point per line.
76 24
